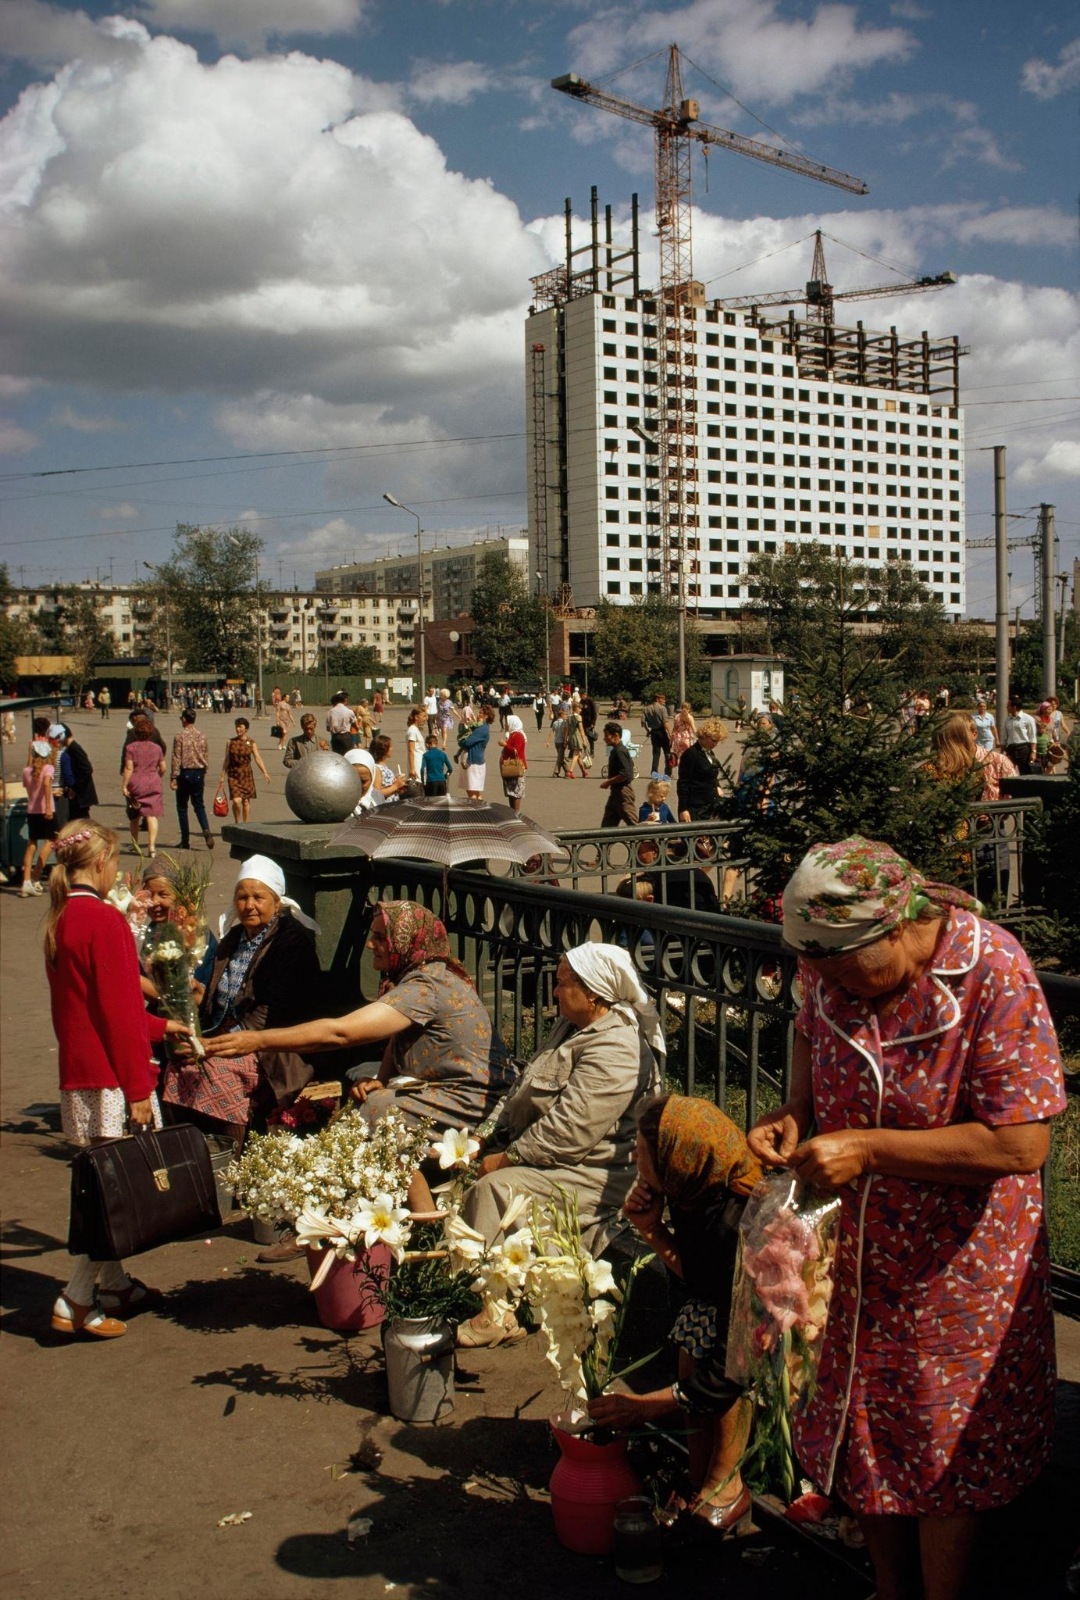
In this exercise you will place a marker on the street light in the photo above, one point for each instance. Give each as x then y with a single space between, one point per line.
547 638
392 500
239 543
635 427
168 638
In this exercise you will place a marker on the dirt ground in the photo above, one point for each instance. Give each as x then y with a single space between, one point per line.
121 1458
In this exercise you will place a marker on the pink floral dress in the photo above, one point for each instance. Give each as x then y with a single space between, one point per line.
935 1391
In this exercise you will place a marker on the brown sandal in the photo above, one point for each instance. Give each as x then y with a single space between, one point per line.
71 1318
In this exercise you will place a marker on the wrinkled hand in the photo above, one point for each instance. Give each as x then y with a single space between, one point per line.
830 1160
774 1137
643 1208
363 1087
493 1163
231 1044
618 1411
142 1112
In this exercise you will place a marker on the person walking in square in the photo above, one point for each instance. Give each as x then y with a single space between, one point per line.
435 767
621 805
190 759
654 721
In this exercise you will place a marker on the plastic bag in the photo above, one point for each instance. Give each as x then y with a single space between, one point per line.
779 1308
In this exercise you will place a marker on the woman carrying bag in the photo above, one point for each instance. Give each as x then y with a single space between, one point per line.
513 764
104 1036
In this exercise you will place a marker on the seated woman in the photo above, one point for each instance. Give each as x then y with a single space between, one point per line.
265 977
693 1158
568 1123
434 1024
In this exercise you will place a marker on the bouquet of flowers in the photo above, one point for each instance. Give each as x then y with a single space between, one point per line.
174 947
342 1189
580 1305
780 1303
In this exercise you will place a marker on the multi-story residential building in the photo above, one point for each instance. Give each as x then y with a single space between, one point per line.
450 573
792 433
297 626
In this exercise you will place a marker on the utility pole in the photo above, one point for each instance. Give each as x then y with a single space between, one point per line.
1049 643
1063 579
1001 616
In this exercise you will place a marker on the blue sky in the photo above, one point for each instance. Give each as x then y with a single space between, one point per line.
257 275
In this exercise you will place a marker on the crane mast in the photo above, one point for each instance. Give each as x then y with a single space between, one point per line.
676 129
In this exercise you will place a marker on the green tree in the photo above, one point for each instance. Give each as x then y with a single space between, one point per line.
16 639
636 650
508 622
72 626
353 661
883 614
1026 673
209 583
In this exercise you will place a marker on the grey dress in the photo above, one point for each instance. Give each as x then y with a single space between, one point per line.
570 1122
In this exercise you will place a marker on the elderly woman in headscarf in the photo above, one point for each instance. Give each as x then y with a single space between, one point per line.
364 762
513 749
438 1039
692 1159
568 1123
265 977
926 1062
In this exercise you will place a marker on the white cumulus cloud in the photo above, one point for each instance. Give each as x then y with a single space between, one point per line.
14 439
253 22
1046 80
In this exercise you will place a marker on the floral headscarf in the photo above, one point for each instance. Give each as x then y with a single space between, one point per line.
847 895
415 936
700 1153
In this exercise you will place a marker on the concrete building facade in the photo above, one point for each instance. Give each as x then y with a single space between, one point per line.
450 573
796 434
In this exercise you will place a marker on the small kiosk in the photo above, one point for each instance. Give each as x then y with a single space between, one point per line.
755 680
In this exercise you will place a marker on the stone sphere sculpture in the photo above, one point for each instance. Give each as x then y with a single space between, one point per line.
322 788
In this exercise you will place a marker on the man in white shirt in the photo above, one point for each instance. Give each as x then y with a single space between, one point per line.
1018 735
341 724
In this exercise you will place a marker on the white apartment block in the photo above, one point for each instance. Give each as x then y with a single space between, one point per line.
450 573
297 627
795 434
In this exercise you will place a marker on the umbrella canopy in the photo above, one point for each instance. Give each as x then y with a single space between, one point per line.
448 830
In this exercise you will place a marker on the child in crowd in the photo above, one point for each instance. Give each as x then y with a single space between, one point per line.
435 766
655 808
40 815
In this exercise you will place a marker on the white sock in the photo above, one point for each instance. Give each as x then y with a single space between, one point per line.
113 1278
81 1284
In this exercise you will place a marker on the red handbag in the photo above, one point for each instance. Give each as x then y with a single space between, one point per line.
221 805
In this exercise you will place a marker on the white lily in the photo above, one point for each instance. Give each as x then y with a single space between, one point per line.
456 1148
382 1222
599 1277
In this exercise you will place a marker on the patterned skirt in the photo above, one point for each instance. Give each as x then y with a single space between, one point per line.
87 1114
696 1330
214 1086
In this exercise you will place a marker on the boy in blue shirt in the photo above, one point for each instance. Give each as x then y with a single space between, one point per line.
435 766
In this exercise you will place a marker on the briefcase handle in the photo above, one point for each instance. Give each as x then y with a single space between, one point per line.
156 1160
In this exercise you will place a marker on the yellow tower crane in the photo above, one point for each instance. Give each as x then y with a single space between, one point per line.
676 128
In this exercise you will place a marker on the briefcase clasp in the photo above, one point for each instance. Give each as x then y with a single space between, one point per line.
161 1178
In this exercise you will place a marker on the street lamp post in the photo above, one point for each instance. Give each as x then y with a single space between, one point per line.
392 500
232 538
547 637
168 637
649 440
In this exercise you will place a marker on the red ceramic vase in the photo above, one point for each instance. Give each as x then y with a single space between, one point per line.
588 1482
346 1299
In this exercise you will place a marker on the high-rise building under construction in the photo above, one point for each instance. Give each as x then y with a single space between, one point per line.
793 430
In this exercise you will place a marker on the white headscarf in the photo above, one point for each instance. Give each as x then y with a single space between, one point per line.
515 725
607 971
363 758
265 871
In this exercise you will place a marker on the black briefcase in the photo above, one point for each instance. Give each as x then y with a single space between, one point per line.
133 1194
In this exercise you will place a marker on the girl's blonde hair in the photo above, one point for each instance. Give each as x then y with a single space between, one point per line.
954 746
659 788
80 845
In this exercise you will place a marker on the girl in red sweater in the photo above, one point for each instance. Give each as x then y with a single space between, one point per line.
104 1036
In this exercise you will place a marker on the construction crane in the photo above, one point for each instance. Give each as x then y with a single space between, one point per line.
819 295
676 129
